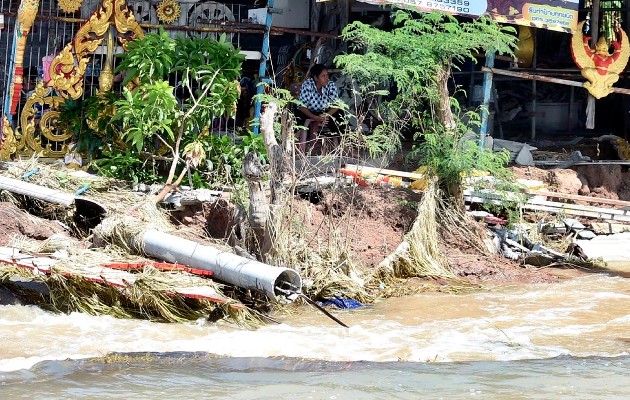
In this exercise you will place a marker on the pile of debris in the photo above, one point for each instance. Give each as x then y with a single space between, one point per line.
573 242
104 262
598 234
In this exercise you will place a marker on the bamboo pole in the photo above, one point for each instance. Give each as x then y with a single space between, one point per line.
542 78
383 171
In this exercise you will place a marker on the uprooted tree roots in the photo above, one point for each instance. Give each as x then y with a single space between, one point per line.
418 255
330 269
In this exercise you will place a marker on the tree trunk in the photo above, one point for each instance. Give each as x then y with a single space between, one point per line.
456 191
444 112
279 159
262 215
258 206
274 151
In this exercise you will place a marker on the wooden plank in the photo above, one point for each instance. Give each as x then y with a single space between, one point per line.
590 214
577 197
538 204
580 163
609 228
383 171
578 207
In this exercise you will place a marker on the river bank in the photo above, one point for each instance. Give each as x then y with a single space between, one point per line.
508 331
355 227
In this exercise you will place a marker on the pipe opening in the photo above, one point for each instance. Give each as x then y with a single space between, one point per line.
287 281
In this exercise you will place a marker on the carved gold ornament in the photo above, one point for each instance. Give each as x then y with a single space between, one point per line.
68 67
69 6
38 122
598 66
27 12
8 142
168 11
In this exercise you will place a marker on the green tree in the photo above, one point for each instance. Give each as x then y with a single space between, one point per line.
208 70
416 58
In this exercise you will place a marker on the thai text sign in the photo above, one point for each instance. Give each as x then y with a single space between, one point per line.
557 15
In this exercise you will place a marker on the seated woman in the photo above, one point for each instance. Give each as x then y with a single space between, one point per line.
317 94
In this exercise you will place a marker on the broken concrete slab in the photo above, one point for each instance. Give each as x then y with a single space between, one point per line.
609 228
546 250
573 224
519 152
552 228
585 234
538 259
611 248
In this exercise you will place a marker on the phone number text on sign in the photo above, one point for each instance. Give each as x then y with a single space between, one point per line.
470 7
458 6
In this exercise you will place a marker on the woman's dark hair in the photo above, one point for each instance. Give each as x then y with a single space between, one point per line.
316 69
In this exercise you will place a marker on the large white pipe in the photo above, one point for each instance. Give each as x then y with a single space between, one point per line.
87 208
36 191
227 267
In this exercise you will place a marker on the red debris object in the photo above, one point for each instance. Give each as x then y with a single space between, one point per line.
496 220
161 266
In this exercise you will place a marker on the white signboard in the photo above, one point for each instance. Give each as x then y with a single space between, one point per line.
557 15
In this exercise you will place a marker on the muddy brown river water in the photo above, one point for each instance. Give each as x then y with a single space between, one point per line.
562 340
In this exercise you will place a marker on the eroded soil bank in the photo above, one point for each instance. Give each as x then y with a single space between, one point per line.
369 223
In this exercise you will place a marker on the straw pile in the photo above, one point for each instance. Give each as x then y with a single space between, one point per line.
418 255
326 270
151 294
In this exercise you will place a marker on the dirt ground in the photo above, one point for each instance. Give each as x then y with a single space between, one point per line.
603 181
374 220
17 222
371 222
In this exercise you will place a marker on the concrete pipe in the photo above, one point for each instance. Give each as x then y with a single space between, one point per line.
88 209
227 267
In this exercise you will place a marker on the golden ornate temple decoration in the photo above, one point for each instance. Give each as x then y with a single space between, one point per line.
598 66
8 144
69 6
67 69
25 19
168 11
41 111
38 133
38 123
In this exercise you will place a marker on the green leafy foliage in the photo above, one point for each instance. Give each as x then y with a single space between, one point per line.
126 165
208 73
149 58
89 120
414 60
454 156
255 143
193 55
224 157
149 110
417 49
